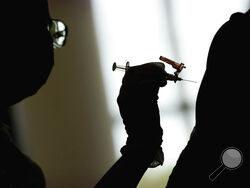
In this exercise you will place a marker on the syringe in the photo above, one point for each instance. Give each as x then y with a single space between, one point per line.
171 77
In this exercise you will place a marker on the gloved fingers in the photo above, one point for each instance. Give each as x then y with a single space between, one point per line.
138 106
130 94
149 74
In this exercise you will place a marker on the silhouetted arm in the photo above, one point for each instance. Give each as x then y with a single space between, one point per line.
127 171
139 110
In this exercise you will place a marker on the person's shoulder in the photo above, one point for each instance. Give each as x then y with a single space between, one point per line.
240 18
237 15
237 25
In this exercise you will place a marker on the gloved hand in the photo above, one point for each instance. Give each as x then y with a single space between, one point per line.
138 106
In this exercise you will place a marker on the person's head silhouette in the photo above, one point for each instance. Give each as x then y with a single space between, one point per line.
28 36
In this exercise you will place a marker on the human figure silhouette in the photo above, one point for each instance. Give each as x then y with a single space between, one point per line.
26 62
221 111
221 117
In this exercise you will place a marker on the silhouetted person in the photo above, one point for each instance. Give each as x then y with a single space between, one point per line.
26 62
221 112
221 118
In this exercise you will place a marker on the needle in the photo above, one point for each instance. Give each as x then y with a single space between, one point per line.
189 80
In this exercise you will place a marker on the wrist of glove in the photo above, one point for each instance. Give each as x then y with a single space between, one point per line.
139 109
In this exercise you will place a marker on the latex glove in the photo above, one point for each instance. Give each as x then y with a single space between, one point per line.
139 110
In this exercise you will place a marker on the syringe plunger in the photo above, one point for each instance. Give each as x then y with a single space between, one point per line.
120 67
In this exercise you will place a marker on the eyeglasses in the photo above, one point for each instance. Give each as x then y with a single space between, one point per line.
59 32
